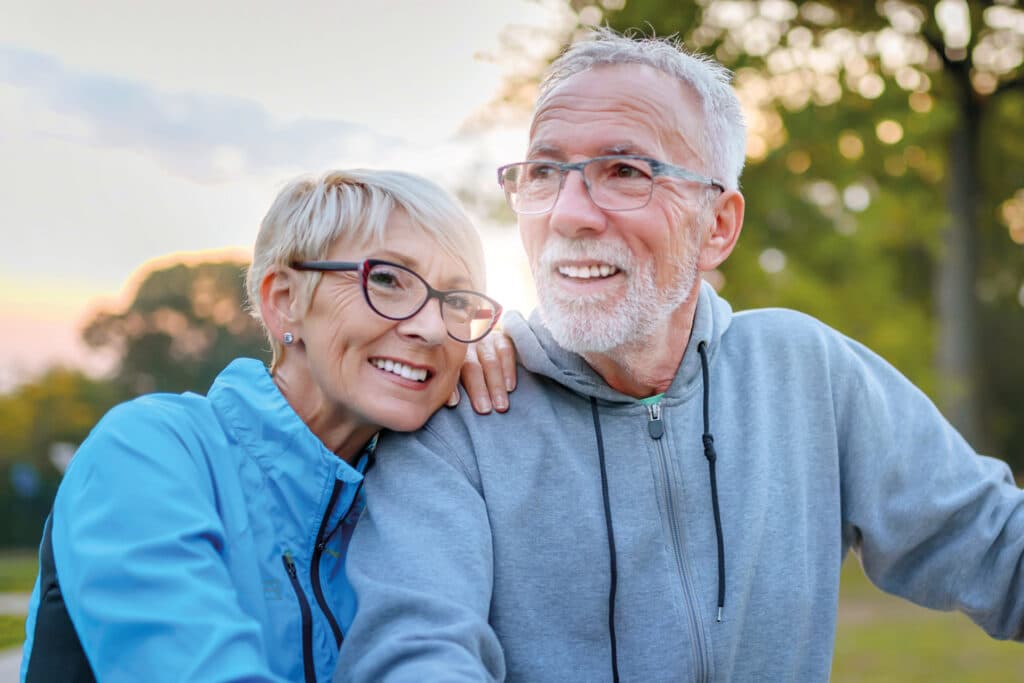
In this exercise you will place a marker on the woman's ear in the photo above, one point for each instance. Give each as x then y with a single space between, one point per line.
279 296
724 231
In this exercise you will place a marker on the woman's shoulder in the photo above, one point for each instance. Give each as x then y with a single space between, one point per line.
149 431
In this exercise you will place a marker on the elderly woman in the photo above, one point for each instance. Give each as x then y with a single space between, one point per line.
204 537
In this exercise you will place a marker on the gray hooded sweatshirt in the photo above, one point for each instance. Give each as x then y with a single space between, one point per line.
575 536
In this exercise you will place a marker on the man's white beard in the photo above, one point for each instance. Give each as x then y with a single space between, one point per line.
600 323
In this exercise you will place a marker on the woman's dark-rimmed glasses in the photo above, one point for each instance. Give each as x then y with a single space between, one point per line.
398 293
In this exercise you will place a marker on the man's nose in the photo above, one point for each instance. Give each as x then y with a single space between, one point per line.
574 211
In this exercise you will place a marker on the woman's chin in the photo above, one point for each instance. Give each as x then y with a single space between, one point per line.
404 418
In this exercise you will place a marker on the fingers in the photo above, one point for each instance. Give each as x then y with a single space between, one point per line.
473 380
489 373
454 399
506 354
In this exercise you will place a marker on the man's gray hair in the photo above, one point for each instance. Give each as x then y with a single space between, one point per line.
723 140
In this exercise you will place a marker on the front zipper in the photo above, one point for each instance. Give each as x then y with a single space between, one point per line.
314 567
656 428
307 618
321 544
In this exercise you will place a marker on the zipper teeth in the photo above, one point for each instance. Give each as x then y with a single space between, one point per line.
314 567
700 663
307 618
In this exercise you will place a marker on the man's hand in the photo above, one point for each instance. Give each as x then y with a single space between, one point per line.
489 373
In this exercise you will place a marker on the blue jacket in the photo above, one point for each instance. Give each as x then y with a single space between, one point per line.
197 538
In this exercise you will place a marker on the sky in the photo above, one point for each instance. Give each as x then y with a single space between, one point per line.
132 133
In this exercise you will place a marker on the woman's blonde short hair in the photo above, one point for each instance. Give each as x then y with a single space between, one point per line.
310 214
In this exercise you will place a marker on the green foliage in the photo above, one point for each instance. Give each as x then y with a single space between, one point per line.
184 325
871 270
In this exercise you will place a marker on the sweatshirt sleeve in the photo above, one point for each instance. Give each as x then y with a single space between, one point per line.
932 520
138 546
421 563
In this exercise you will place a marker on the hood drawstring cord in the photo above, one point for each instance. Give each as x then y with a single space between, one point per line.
709 453
611 540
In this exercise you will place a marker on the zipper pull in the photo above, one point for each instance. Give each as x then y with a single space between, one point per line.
289 564
655 427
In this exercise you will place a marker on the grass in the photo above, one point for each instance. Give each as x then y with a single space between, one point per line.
12 631
17 575
18 570
884 639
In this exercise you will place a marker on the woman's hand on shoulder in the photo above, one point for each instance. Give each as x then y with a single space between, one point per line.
488 374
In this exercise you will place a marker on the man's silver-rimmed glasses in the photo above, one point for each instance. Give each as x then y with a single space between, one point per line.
621 182
398 293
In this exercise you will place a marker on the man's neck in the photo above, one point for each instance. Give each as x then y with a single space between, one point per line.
647 367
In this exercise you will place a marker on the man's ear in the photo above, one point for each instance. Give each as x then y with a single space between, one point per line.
279 303
724 231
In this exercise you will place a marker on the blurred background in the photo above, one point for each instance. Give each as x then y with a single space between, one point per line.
141 143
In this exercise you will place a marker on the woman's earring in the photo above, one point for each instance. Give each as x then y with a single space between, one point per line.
288 337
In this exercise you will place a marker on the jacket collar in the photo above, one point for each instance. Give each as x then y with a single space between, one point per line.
256 414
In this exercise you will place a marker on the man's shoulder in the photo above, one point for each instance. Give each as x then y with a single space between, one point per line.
460 428
781 324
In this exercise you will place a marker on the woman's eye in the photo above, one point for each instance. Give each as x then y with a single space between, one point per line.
384 279
457 302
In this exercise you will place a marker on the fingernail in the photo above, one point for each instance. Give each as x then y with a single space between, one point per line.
500 403
484 406
510 384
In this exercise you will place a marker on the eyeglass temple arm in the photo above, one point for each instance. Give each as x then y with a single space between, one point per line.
327 265
662 168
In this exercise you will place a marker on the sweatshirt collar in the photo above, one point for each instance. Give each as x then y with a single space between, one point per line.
540 353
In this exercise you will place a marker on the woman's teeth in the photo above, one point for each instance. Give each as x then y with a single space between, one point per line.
401 369
585 272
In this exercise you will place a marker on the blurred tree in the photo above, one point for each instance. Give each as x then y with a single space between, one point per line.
40 424
886 163
184 325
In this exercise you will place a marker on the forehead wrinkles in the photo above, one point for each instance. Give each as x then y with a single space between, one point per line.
637 114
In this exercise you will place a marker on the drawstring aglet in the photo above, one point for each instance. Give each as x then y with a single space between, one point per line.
719 620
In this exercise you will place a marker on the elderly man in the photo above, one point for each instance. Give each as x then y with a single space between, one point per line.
672 494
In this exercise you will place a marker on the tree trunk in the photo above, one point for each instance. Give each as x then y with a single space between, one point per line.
956 273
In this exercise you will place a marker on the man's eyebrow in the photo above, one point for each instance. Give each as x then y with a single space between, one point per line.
621 148
543 149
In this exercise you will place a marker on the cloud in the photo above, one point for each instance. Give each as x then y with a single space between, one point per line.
206 137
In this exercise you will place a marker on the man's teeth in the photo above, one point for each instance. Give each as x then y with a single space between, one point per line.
401 369
584 272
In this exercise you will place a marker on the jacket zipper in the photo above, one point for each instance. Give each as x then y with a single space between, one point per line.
656 428
314 567
321 545
307 618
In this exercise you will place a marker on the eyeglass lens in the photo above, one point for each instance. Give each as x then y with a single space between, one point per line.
397 293
613 184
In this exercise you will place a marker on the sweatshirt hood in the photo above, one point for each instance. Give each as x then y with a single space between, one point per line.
540 353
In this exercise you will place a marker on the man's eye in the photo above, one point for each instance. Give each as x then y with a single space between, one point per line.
541 171
624 170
